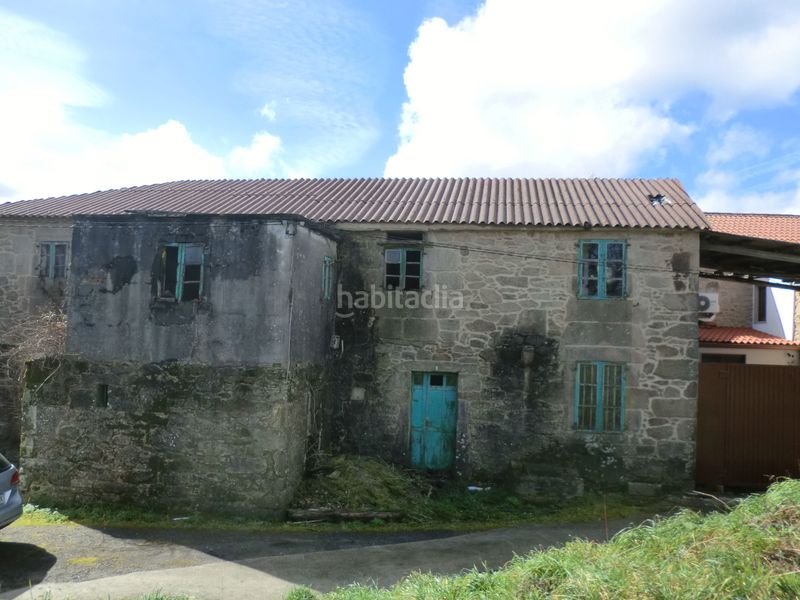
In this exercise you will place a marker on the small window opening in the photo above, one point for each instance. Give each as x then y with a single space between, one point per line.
101 396
53 260
404 236
761 303
437 380
723 358
181 272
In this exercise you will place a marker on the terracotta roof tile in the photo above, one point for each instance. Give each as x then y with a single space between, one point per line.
741 335
557 202
783 228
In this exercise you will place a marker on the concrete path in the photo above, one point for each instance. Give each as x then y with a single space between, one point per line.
272 577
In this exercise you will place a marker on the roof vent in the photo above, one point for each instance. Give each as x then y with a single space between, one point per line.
659 199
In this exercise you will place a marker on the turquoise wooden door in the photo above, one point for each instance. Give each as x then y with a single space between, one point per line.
434 403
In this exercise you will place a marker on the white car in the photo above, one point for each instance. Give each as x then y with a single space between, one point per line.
10 498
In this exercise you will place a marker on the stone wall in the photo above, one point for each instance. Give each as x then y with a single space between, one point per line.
520 293
735 302
174 437
23 295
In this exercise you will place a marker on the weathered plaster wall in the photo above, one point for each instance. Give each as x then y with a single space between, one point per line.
262 279
520 289
735 302
177 437
23 294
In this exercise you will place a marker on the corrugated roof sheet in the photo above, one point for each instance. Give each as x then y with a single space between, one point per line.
557 202
782 228
741 335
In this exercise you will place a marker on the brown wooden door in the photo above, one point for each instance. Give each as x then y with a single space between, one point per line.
748 424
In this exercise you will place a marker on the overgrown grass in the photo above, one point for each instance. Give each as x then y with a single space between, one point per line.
455 511
367 484
751 552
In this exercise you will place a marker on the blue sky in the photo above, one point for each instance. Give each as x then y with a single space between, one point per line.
96 95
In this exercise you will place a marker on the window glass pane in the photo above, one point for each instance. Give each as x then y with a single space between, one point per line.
589 275
452 379
614 288
413 256
412 283
614 251
587 396
417 378
60 263
612 397
437 380
191 291
614 270
412 269
392 281
191 273
393 268
193 255
590 251
394 255
589 287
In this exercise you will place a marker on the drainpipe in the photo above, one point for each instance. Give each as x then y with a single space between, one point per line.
290 232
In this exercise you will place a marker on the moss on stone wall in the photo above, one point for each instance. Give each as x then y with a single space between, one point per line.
182 437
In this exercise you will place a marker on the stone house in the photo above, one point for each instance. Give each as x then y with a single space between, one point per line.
544 331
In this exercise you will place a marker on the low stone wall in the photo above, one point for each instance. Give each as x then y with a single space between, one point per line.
175 437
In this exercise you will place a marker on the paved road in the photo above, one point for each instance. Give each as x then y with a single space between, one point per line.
72 553
303 561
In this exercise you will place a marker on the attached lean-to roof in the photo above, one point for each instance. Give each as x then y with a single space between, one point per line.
742 337
782 228
545 202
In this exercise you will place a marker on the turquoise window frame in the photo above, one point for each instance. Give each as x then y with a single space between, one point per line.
181 270
602 259
49 272
327 277
404 250
600 390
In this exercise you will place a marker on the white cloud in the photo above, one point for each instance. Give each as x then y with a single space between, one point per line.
45 150
268 111
722 200
580 87
261 157
738 142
